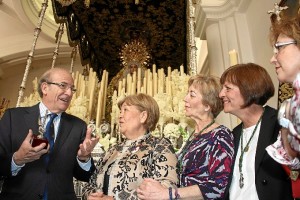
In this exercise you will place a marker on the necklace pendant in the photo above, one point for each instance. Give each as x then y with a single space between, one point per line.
246 148
241 180
180 176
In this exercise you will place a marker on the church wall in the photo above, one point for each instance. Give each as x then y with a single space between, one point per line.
259 23
9 86
243 28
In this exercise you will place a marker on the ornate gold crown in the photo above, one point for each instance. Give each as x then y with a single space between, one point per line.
134 53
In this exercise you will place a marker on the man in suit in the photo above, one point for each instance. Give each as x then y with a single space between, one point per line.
45 171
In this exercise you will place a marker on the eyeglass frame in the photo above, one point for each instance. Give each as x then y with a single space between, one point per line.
277 46
63 86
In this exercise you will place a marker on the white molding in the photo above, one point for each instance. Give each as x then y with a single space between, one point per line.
208 14
49 27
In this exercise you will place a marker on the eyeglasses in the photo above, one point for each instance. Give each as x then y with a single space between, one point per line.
63 86
279 45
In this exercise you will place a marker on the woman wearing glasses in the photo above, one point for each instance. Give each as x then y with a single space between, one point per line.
285 36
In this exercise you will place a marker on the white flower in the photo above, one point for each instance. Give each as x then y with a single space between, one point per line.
155 133
171 130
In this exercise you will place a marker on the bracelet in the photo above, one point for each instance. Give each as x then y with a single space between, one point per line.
170 193
177 196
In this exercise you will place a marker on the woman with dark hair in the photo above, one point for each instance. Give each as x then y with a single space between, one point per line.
255 175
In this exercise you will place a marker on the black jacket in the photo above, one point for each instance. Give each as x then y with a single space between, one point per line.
272 183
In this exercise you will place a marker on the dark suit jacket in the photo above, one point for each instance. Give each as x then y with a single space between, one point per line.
30 182
272 183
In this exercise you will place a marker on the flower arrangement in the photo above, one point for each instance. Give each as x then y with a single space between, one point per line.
178 134
171 130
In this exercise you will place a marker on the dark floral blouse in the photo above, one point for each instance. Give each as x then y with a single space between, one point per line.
207 162
124 166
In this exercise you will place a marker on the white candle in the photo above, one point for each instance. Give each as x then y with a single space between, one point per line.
181 70
160 86
138 86
169 71
153 68
139 74
154 84
133 86
233 56
99 106
144 85
119 88
104 93
82 93
167 85
149 84
91 101
128 82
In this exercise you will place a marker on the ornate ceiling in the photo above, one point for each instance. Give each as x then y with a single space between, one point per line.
103 28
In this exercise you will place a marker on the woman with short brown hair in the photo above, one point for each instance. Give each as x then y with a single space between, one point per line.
255 175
